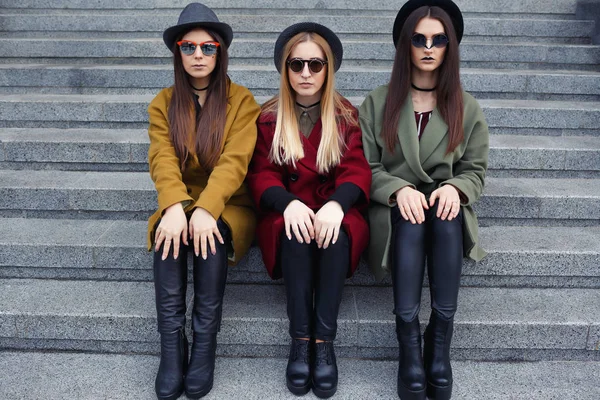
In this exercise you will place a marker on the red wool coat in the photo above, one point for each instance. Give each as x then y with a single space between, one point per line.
313 189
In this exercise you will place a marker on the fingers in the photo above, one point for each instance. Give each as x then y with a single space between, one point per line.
197 243
328 237
416 211
166 248
434 195
159 237
402 212
288 229
454 211
336 233
318 227
304 231
310 226
297 233
217 233
184 235
176 247
212 244
203 246
408 213
424 201
444 206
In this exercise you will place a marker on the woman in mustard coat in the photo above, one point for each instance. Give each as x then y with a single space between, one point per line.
426 141
202 136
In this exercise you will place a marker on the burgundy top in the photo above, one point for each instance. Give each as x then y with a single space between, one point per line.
422 118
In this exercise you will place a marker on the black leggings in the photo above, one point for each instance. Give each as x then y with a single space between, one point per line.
441 242
306 270
170 283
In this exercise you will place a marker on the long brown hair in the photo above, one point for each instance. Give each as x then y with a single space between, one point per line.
287 144
448 92
209 129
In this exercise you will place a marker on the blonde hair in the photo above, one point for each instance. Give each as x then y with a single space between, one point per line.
287 143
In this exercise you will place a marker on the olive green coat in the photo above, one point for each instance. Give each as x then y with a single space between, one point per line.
423 165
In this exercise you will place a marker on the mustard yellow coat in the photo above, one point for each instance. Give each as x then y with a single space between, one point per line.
221 192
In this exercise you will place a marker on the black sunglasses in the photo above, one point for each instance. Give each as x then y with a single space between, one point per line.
314 64
188 47
419 41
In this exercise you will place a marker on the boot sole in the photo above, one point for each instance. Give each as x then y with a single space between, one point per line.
173 396
439 392
200 394
324 394
298 390
406 394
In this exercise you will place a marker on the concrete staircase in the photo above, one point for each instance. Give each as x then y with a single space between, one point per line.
75 278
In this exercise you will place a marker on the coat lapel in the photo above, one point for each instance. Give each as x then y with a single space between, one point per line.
311 147
409 140
435 131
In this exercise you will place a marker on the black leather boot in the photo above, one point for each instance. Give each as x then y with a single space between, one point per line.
210 276
297 373
170 277
200 374
173 365
438 336
324 370
411 374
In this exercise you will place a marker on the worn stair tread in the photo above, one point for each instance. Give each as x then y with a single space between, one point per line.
145 99
488 318
98 244
132 377
140 136
92 180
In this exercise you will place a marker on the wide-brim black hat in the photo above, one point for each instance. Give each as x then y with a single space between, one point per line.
447 5
326 33
197 15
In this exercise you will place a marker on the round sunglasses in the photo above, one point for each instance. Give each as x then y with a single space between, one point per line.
419 41
315 65
188 47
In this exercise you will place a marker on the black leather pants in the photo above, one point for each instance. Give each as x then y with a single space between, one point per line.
441 243
170 283
308 270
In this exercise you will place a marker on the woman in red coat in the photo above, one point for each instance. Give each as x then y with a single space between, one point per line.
310 181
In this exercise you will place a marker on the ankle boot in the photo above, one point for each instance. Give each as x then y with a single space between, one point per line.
173 364
297 374
200 373
411 375
438 336
324 370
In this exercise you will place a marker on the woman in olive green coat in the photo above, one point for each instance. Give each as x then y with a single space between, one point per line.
426 141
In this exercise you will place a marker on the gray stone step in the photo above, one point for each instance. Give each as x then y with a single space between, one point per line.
50 376
491 323
518 256
351 81
132 24
127 150
527 117
470 6
131 195
260 51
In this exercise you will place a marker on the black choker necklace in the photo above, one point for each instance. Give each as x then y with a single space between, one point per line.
421 89
312 105
199 90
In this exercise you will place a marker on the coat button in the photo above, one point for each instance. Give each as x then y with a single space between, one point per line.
293 177
322 178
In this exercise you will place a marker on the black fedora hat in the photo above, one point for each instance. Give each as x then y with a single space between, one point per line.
411 5
323 31
197 15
